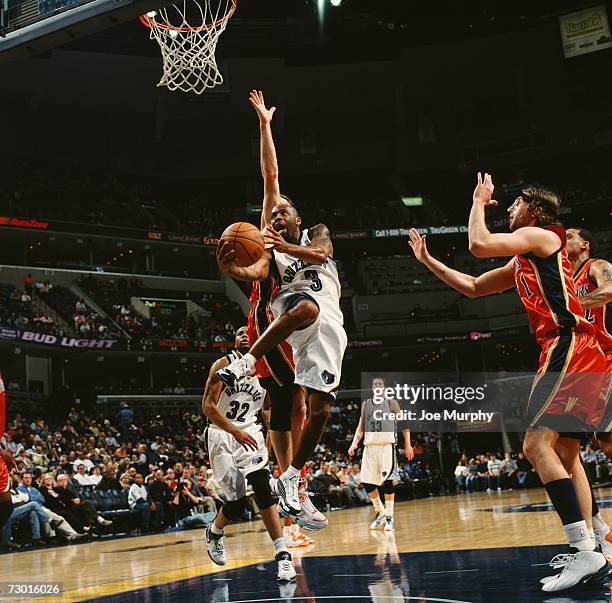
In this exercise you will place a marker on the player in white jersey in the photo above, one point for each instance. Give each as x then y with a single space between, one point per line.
238 454
378 461
308 317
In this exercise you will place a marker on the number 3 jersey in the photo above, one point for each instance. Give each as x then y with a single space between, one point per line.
320 281
318 349
242 404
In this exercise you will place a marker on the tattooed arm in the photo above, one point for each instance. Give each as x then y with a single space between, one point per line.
601 273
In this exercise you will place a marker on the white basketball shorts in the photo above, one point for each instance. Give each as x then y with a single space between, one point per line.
231 462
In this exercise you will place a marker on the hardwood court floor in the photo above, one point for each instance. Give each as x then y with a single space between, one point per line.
169 566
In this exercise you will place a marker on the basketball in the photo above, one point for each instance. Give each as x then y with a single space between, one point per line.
246 240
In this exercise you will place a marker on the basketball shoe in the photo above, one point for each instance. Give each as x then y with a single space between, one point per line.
389 524
605 542
379 523
581 567
234 372
310 518
216 547
294 538
287 490
286 571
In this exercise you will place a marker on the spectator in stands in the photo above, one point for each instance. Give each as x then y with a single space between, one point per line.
125 482
56 522
524 469
25 508
125 417
83 509
589 459
471 481
27 283
186 504
352 479
109 481
161 494
95 476
483 472
508 471
461 475
138 499
493 469
81 477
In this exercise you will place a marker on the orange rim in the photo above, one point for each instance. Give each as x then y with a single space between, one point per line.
148 21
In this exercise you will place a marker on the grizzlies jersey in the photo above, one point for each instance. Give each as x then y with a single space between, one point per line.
241 404
376 428
320 281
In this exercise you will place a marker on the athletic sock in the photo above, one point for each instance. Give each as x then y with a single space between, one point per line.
292 472
215 530
378 506
389 507
279 546
250 360
599 525
578 536
592 534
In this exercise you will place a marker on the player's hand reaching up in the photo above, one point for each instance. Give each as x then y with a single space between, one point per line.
418 244
247 441
484 190
257 100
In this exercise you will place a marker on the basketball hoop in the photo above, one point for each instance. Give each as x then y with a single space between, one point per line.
187 33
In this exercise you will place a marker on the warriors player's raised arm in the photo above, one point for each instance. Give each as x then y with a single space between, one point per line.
268 159
490 282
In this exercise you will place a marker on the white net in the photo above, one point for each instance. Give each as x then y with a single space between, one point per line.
187 34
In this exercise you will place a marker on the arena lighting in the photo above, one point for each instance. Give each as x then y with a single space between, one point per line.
335 2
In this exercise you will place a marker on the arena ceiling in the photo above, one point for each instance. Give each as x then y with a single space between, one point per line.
356 30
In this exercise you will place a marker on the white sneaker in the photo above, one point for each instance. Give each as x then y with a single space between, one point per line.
286 571
389 524
581 567
379 522
294 539
216 547
557 562
287 490
310 518
605 544
234 372
103 522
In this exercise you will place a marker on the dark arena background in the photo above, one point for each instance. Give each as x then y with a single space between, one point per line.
113 195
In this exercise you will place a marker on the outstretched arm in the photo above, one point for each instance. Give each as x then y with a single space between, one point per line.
269 162
317 252
493 281
601 272
484 244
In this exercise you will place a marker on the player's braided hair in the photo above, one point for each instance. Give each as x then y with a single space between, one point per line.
545 204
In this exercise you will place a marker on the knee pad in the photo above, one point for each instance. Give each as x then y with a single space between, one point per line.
260 480
387 487
233 509
369 488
